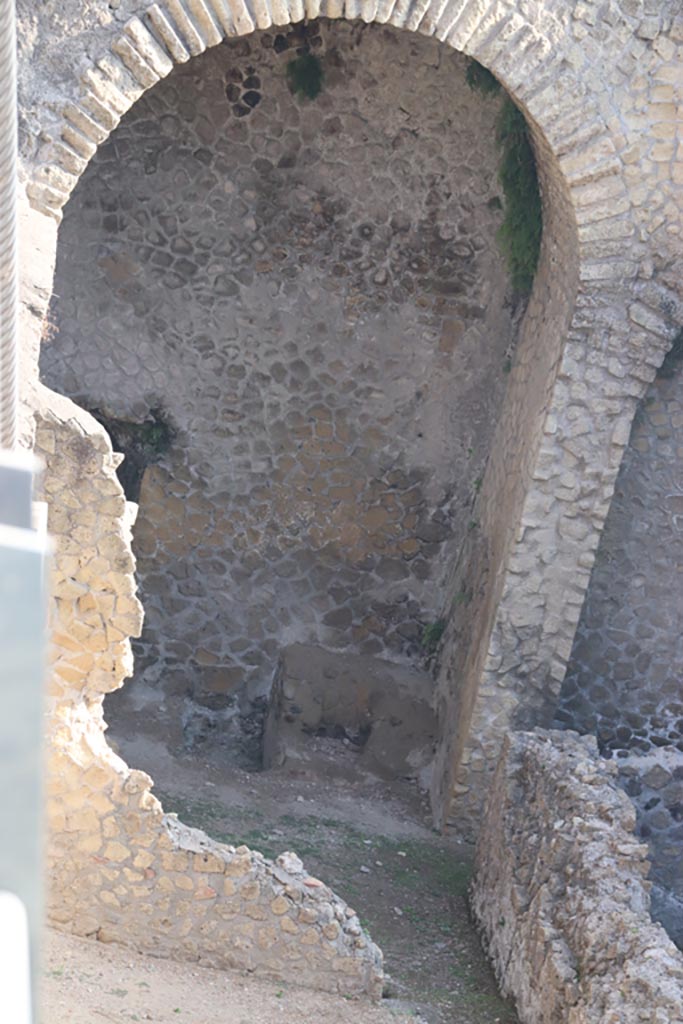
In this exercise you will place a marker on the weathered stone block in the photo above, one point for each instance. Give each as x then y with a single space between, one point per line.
565 915
382 708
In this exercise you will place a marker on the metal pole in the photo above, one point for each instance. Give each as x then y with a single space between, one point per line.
23 643
9 375
15 975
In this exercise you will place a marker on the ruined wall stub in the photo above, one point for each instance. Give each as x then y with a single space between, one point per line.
119 869
560 894
311 293
600 94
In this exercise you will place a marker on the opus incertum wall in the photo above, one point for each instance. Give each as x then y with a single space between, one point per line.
598 85
120 870
311 293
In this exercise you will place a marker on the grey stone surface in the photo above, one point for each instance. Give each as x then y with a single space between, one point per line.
381 710
625 677
655 784
311 294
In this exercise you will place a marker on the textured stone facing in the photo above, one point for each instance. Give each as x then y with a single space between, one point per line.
313 294
559 891
654 782
119 869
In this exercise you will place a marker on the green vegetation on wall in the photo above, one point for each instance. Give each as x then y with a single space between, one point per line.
520 233
481 80
305 75
431 635
141 443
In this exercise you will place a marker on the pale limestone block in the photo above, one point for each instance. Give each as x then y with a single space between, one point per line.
188 30
148 47
138 67
207 862
167 34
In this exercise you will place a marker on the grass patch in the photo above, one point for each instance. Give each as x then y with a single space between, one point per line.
431 635
519 235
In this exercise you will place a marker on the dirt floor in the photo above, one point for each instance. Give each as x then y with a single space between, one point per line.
370 840
85 982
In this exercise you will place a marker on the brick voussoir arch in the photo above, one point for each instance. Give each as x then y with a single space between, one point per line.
166 34
589 265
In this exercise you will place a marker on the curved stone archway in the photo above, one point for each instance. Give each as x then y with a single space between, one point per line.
602 313
312 294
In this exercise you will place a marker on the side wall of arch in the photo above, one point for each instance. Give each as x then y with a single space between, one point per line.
623 319
601 96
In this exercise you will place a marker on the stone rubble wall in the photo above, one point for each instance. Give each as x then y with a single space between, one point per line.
119 869
560 894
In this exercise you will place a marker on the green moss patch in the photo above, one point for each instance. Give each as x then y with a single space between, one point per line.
520 233
305 76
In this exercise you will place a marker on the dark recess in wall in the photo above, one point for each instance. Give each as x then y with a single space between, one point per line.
142 442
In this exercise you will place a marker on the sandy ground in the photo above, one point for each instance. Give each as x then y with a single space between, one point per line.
85 982
371 840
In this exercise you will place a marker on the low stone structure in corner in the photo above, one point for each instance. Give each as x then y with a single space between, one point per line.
560 893
381 709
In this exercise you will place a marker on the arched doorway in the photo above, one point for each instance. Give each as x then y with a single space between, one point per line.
294 318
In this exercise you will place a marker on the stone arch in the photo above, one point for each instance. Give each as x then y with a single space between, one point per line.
572 138
598 324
